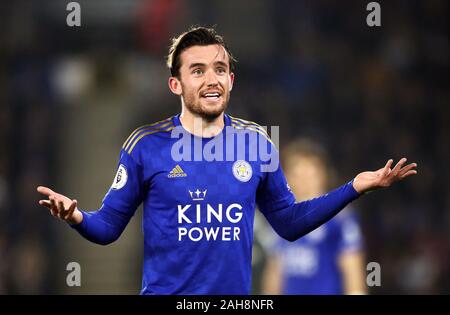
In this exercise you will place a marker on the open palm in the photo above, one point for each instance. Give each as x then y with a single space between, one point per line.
60 206
384 177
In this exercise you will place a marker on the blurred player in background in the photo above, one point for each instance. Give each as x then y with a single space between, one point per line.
329 260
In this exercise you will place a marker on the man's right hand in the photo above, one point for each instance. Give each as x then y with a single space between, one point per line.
60 206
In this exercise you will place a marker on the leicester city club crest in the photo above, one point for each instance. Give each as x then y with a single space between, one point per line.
242 170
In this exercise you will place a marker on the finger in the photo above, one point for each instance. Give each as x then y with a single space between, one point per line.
72 208
408 173
45 190
69 210
45 203
53 207
387 167
65 212
405 169
61 209
398 166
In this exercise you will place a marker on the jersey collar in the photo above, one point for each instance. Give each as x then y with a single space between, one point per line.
177 122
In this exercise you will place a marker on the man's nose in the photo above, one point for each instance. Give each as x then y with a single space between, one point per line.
211 78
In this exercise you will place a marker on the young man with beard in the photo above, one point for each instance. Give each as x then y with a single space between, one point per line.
198 210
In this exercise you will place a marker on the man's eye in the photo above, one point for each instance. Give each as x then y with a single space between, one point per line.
221 70
197 71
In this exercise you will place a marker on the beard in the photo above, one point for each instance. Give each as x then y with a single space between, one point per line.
208 113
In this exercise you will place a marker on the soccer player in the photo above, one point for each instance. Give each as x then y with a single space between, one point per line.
330 259
199 181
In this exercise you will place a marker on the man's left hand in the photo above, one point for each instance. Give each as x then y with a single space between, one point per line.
384 177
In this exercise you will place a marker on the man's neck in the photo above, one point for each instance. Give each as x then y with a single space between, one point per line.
199 126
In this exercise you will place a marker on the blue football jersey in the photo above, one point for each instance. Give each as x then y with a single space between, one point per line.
199 197
310 265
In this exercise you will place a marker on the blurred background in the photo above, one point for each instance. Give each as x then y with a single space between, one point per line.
69 97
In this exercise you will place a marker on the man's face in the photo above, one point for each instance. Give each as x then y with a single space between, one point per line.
205 80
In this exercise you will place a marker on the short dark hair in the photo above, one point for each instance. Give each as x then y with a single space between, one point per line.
195 36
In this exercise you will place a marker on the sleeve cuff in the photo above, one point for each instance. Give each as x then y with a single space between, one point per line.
353 194
83 225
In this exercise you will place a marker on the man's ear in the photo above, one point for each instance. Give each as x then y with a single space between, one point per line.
231 80
175 86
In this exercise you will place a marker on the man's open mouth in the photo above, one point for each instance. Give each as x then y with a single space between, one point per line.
212 96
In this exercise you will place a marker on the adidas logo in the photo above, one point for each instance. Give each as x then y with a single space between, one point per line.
176 172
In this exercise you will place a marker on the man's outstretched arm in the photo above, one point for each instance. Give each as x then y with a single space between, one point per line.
103 226
297 219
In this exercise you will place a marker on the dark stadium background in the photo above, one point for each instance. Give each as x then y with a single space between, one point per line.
69 97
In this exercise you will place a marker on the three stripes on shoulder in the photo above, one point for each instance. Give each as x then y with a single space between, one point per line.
239 123
166 125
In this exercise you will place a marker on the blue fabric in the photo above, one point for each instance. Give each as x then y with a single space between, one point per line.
199 210
298 219
310 265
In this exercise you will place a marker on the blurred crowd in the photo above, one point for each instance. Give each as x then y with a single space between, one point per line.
314 68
